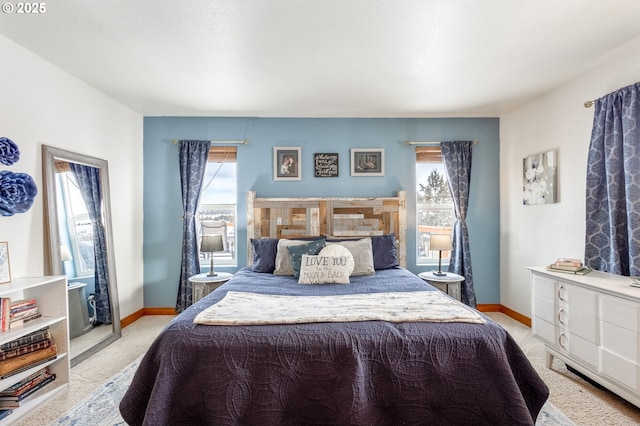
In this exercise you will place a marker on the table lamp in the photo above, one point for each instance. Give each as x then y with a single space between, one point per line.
211 244
65 254
440 242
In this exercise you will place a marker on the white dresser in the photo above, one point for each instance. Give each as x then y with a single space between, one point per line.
592 323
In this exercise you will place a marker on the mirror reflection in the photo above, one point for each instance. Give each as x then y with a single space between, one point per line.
79 233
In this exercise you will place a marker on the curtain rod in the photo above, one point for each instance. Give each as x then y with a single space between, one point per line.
215 142
588 104
433 143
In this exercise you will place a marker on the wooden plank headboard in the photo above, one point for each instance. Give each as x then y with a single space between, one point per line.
339 217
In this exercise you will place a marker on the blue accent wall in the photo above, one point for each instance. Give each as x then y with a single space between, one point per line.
162 194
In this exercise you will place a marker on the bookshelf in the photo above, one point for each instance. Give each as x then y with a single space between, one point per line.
51 294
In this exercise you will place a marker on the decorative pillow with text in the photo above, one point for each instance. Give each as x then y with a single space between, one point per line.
333 265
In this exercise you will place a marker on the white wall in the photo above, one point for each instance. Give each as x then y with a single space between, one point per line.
41 104
537 235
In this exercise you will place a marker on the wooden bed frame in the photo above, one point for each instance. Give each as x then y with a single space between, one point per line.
334 216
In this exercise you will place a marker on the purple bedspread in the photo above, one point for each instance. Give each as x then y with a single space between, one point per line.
354 373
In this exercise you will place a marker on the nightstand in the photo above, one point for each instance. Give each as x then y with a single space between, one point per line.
204 284
449 283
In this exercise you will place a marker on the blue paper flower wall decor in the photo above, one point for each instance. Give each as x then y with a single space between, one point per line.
17 190
9 152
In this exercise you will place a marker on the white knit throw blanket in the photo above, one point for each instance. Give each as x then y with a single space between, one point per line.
242 308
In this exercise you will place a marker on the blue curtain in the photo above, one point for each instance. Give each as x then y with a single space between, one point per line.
88 179
456 157
193 163
612 241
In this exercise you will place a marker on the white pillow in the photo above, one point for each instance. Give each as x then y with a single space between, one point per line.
336 250
332 265
362 252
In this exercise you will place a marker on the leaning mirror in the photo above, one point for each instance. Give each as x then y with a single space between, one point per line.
80 246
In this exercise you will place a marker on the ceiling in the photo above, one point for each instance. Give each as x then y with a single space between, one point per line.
325 58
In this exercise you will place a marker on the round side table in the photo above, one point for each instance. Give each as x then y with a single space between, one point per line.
204 284
449 284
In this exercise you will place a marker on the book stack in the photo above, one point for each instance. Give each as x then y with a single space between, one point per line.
5 311
570 266
15 313
26 352
22 311
19 393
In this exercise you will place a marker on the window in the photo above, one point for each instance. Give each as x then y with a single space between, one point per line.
217 210
76 224
434 205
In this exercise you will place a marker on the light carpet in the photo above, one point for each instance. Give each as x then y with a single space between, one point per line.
101 407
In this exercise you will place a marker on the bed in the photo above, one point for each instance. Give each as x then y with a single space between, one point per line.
353 370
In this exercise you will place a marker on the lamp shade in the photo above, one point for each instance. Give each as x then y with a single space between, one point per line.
440 242
211 243
65 254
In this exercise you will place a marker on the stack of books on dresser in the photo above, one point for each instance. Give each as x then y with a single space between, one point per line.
569 266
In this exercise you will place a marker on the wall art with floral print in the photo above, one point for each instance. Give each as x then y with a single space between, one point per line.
539 173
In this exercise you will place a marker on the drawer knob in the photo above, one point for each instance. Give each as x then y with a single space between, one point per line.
562 293
562 316
562 341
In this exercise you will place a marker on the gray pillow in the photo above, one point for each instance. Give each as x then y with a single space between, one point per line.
362 252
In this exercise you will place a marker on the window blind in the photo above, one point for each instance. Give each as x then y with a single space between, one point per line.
428 154
222 154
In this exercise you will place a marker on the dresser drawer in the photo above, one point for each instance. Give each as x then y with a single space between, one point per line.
583 325
544 287
619 369
583 349
581 300
620 312
620 341
544 330
544 308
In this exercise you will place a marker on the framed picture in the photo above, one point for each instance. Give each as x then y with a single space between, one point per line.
286 163
367 162
539 173
5 271
325 164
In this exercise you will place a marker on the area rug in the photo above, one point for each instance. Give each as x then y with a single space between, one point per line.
101 407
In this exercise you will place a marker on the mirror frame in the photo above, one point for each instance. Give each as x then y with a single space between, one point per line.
53 258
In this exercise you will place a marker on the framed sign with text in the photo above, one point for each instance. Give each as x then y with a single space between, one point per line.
325 164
